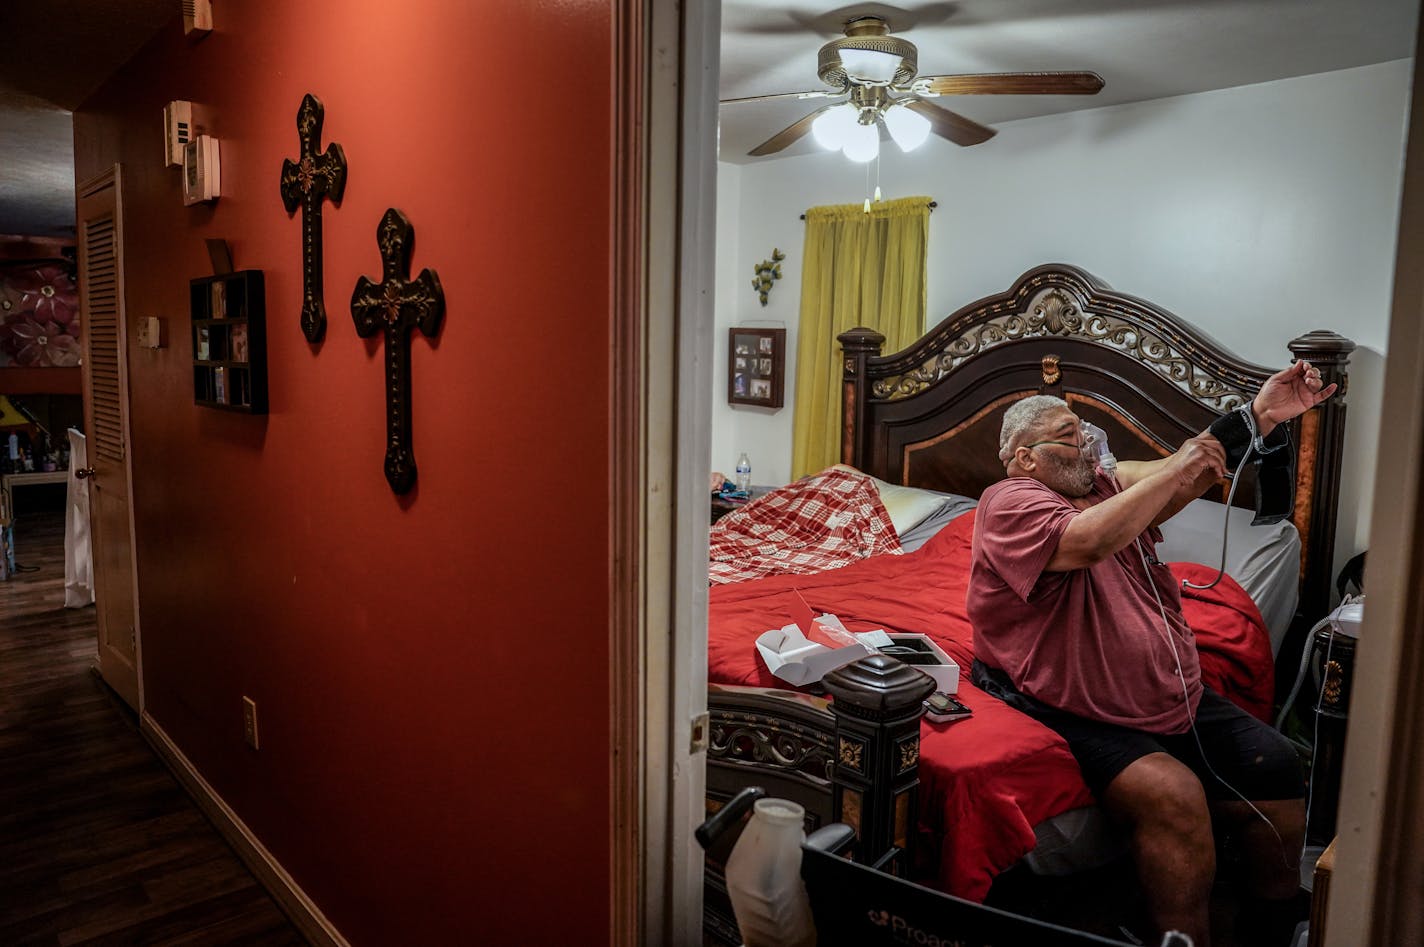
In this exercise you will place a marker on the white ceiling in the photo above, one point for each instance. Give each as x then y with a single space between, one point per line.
1143 50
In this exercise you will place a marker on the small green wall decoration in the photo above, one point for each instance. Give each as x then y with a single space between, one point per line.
767 272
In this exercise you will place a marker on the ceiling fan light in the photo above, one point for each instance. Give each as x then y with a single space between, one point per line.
870 66
833 127
863 144
909 128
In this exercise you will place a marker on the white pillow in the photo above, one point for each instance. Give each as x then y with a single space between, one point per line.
1265 560
955 507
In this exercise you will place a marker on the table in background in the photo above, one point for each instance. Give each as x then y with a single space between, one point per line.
8 483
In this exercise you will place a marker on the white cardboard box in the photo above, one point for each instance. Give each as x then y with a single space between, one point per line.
933 661
796 660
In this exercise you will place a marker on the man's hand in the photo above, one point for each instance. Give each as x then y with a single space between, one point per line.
1287 394
1198 462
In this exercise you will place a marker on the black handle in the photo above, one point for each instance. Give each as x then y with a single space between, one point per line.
834 839
729 815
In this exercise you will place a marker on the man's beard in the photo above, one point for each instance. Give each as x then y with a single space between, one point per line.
1072 478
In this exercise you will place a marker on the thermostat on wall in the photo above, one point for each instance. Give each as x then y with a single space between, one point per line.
182 122
197 17
202 178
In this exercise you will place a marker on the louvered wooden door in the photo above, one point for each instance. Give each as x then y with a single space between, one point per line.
106 398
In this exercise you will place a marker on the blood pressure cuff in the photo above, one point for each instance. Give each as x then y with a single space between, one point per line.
1274 462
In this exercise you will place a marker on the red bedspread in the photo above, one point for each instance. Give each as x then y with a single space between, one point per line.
985 781
1232 640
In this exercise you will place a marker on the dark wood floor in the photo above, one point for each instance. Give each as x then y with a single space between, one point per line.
98 842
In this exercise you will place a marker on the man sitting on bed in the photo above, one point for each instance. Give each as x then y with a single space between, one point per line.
1077 624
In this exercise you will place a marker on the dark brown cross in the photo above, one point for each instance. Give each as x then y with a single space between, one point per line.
398 305
304 183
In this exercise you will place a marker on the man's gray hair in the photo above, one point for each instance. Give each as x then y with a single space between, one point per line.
1021 418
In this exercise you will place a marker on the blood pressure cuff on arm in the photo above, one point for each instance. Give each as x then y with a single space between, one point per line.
1274 462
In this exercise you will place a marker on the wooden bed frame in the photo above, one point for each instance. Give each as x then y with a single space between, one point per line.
929 417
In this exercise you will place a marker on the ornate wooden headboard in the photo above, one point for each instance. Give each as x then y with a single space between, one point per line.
929 416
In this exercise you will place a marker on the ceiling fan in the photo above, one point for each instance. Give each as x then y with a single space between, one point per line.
877 74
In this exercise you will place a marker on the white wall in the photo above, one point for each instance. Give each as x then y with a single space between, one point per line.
1258 213
763 433
727 429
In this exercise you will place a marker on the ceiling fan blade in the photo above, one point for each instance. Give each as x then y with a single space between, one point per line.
789 135
758 18
1013 83
819 94
947 124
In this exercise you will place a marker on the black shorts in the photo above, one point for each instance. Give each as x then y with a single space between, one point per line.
1246 753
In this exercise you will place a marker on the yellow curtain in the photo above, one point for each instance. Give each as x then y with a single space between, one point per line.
859 269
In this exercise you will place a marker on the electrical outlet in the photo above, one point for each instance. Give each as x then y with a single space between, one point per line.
249 722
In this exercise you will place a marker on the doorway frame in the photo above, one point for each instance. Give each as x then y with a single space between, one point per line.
665 198
1380 847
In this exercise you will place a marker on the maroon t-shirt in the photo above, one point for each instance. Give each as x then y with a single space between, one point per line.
1089 641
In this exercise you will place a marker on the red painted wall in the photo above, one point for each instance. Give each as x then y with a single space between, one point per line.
431 672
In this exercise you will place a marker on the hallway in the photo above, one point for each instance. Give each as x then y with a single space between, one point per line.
98 842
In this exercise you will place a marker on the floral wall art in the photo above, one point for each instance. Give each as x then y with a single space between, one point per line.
39 315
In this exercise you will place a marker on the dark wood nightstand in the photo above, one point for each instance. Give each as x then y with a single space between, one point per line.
721 507
1320 894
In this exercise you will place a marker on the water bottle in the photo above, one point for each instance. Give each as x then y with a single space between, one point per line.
744 473
764 878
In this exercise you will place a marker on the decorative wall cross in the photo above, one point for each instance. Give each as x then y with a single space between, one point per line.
305 182
398 305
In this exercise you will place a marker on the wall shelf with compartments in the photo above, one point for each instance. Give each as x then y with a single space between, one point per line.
229 315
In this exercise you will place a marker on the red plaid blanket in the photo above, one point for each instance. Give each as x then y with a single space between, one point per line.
814 525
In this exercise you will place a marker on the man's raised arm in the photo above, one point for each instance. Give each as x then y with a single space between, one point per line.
1287 394
1104 528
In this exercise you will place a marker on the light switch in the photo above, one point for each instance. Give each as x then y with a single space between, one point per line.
150 332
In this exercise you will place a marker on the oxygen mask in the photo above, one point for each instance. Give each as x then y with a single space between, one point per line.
1095 448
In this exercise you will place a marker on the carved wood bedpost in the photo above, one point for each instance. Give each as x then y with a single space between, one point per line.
875 787
1322 441
858 344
